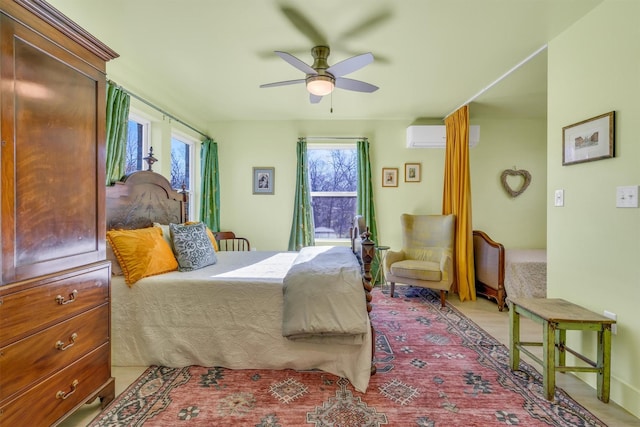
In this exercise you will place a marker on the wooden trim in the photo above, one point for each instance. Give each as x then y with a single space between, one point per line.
46 17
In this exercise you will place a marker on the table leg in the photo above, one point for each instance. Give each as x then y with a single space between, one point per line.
604 363
514 337
561 341
380 255
548 359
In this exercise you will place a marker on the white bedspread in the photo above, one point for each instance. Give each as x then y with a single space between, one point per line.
323 297
525 273
228 314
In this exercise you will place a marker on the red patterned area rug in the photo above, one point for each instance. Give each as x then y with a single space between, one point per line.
435 368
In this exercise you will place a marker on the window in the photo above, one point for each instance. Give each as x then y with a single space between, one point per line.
137 144
333 175
181 161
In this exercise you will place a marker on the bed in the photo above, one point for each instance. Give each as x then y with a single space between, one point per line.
234 313
525 273
488 259
508 273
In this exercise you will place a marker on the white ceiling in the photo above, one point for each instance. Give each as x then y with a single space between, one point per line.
203 60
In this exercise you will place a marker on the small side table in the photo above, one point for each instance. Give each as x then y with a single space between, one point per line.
381 253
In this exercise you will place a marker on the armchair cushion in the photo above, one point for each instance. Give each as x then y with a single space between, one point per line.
418 270
391 257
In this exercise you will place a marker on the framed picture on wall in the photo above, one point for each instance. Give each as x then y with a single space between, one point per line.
389 177
412 172
263 180
588 140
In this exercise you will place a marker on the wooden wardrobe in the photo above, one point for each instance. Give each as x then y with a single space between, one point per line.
55 283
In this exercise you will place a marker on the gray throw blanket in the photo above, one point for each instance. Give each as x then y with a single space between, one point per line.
323 297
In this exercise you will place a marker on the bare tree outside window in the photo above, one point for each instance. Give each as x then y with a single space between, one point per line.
181 167
179 164
333 180
133 150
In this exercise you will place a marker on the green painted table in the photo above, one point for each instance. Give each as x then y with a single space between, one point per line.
557 316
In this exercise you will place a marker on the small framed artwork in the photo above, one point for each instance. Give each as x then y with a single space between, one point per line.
412 172
588 140
389 177
263 180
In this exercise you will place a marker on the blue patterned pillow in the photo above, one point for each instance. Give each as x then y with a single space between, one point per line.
191 246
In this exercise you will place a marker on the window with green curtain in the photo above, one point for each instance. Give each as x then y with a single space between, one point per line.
303 228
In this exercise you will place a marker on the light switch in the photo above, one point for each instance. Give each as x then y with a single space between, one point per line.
558 199
627 196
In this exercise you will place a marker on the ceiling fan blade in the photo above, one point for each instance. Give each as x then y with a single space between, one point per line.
314 98
367 25
300 65
350 65
284 83
379 58
356 85
304 25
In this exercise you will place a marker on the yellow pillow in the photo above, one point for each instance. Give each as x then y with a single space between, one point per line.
141 253
212 237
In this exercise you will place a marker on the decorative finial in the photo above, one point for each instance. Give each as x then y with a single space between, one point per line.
150 159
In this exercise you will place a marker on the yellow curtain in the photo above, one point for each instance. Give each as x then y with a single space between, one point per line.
456 199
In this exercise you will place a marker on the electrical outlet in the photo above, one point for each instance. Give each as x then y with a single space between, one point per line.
612 316
627 196
558 199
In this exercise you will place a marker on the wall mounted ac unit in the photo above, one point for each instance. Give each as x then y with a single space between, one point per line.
434 136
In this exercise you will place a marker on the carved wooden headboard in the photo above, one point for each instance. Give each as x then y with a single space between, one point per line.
142 198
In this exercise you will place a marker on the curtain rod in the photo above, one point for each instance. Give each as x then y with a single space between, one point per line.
499 79
171 116
358 138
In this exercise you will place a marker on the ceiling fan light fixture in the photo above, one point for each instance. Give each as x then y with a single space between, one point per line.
320 85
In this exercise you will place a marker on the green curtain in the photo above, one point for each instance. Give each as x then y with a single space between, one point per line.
116 132
302 227
366 206
210 196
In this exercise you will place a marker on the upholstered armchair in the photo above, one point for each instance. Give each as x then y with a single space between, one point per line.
426 258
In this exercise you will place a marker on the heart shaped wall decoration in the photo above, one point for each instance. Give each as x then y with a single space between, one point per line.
524 183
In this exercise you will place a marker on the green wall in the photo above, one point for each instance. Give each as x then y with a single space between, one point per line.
594 247
266 219
516 222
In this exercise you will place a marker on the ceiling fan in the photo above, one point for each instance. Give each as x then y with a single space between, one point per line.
321 78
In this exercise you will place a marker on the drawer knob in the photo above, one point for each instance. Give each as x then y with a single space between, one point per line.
72 340
72 297
64 395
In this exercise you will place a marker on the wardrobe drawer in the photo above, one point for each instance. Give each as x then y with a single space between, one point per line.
44 305
45 403
38 356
